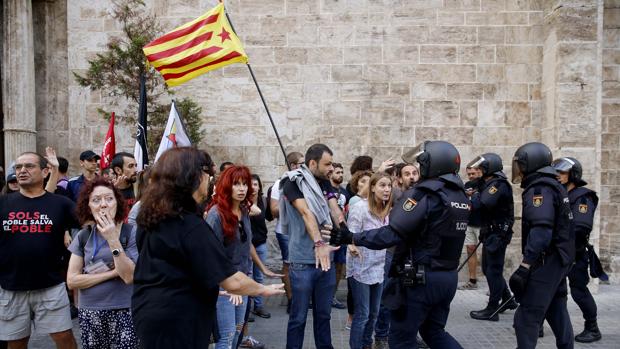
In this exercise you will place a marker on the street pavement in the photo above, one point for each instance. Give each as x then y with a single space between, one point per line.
470 333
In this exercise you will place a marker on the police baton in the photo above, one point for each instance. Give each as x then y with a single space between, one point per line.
501 306
468 257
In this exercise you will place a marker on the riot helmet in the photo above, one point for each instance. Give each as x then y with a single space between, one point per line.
530 158
436 158
573 167
488 163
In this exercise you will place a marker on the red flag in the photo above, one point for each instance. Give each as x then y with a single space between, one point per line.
109 146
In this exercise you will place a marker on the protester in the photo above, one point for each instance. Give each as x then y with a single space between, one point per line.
406 175
365 267
294 160
228 216
101 268
124 167
11 185
182 263
359 186
142 181
340 257
224 165
259 240
34 223
89 162
472 235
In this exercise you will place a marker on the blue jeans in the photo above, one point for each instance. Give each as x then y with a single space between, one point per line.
230 320
310 283
261 251
382 327
283 243
366 299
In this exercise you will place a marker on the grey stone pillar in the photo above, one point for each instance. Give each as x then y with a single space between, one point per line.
18 80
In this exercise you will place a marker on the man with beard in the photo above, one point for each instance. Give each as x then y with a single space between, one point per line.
305 216
124 167
89 162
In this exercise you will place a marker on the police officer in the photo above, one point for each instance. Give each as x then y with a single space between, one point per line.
493 201
548 247
428 226
583 202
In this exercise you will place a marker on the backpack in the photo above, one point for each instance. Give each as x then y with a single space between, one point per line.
268 214
85 234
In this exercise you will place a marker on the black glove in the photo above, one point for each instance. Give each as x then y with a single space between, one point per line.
518 282
342 236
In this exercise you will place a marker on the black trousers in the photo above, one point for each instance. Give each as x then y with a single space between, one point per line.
493 269
545 297
426 310
578 280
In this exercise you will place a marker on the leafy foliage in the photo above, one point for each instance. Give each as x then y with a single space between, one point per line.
116 72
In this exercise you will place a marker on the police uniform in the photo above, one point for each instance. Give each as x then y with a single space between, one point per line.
428 226
496 207
583 202
548 246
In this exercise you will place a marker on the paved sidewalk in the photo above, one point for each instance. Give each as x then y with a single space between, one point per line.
470 333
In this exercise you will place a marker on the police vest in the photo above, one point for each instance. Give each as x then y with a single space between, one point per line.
436 238
563 239
498 206
583 203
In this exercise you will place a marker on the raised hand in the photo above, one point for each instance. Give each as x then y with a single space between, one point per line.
50 156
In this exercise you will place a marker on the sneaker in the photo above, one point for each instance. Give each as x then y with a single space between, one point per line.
468 286
260 312
348 325
336 304
251 343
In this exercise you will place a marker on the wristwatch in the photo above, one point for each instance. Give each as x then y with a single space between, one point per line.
116 252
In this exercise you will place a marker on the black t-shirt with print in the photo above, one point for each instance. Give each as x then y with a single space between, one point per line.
32 240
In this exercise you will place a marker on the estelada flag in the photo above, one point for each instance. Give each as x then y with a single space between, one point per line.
109 146
204 44
174 134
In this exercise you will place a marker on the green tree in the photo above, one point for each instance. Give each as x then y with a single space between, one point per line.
116 72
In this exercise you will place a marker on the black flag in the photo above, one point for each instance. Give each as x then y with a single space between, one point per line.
140 153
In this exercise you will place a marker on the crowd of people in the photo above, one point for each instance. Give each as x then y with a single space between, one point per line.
175 256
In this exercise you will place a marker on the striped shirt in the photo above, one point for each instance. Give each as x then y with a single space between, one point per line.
369 269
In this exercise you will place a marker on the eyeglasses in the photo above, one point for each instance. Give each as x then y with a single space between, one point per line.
97 200
28 167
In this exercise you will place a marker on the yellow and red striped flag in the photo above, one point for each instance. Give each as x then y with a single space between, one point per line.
204 44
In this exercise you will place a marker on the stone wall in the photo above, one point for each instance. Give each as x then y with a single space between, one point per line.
370 77
610 169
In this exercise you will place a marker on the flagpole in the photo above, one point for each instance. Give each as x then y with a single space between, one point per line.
262 98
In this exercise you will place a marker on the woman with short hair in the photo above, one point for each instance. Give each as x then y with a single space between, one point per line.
101 267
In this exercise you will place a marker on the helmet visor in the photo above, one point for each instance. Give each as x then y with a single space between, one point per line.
517 173
475 163
562 164
411 156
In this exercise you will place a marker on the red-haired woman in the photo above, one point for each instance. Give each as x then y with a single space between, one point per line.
101 268
228 216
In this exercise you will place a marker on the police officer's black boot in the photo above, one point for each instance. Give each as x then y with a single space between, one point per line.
590 333
485 314
511 305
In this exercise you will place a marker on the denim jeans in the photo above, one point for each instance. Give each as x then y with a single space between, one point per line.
310 283
382 328
230 320
366 299
283 243
261 251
